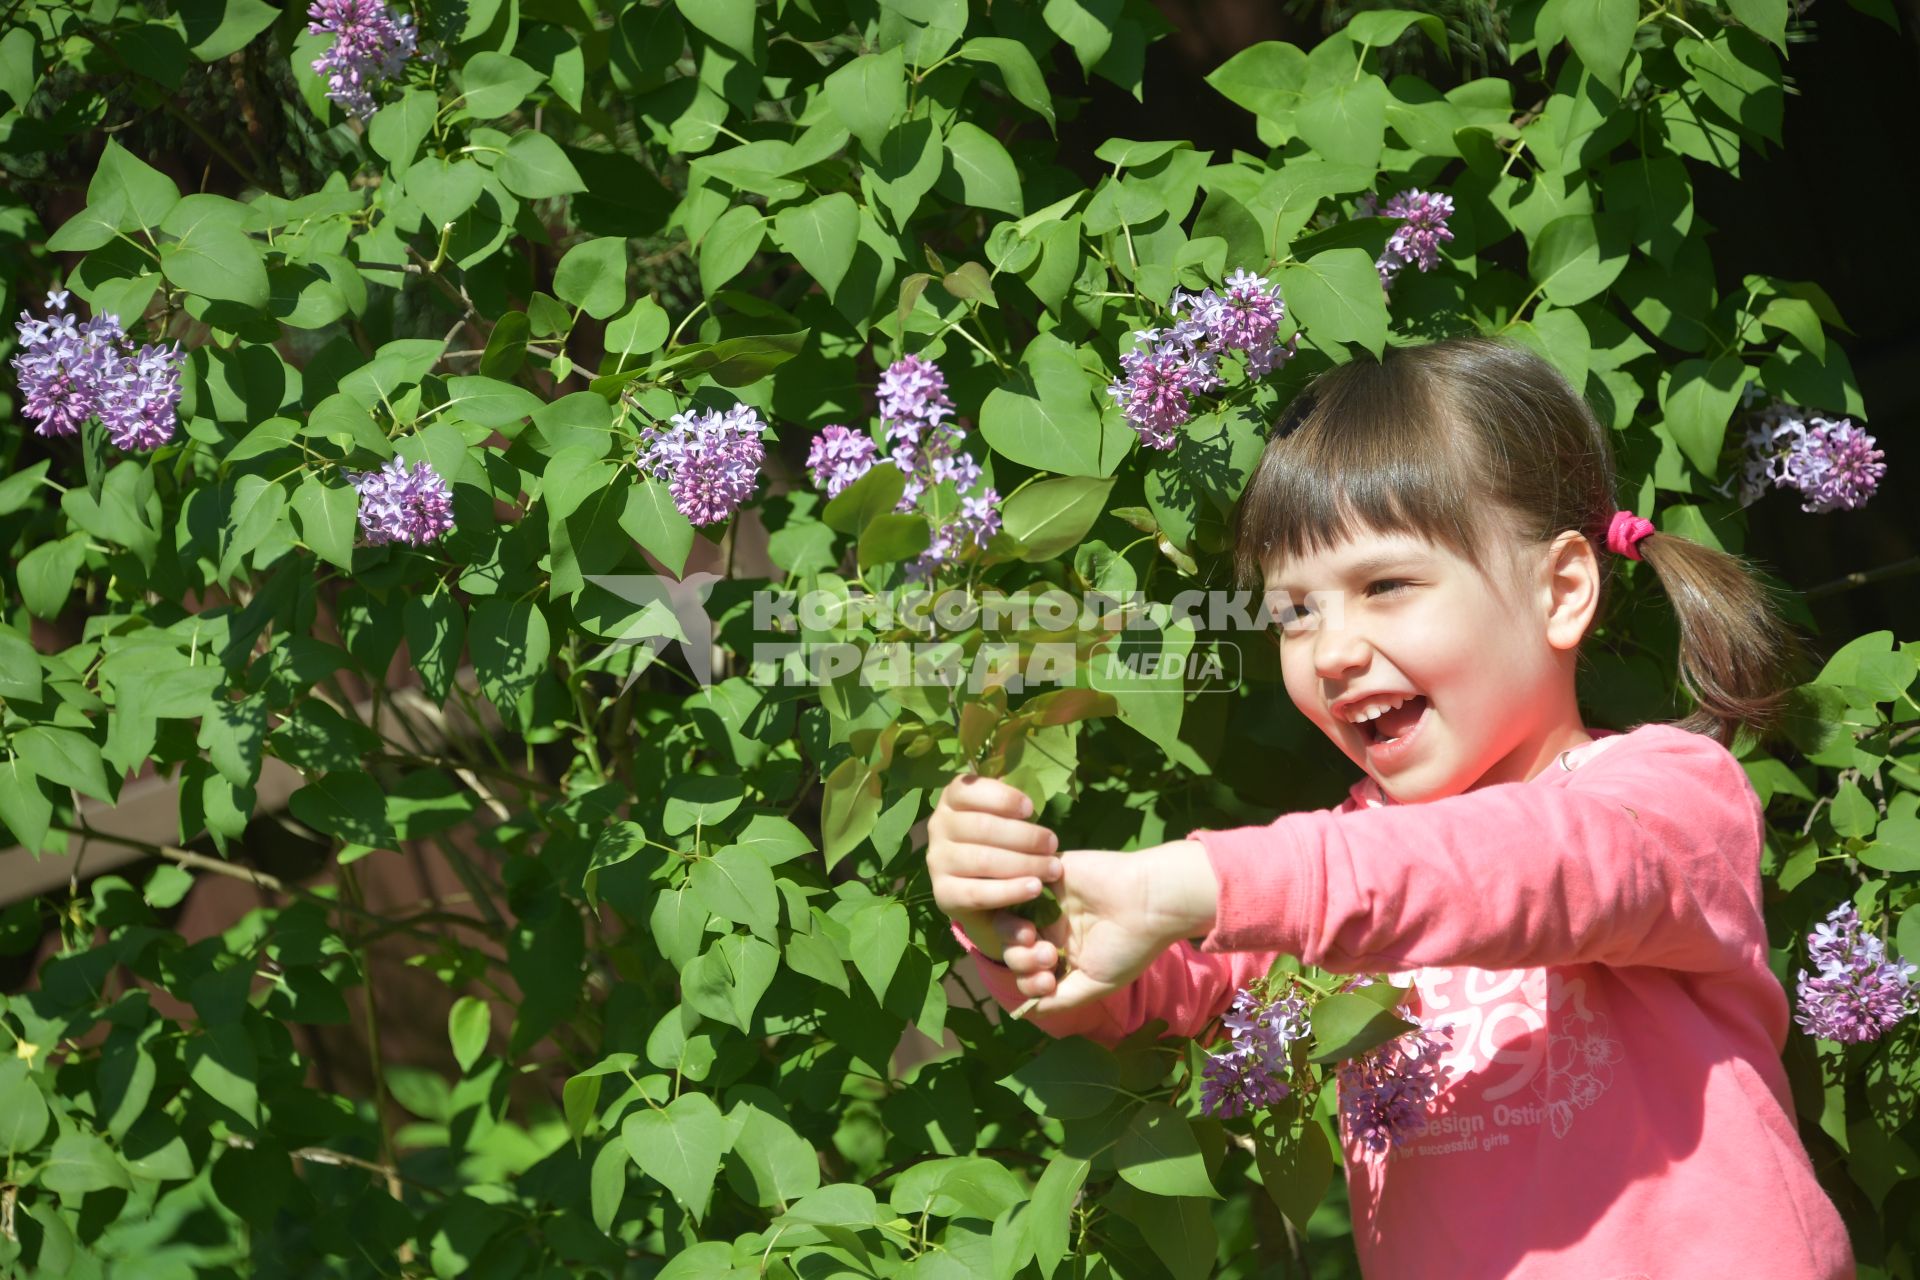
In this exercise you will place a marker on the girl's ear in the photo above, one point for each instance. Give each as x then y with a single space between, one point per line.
1572 588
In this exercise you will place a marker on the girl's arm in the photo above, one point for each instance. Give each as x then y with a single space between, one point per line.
1647 855
1182 986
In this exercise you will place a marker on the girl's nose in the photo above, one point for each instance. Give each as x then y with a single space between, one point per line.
1338 649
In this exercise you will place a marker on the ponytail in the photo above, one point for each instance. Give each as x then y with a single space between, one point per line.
1739 659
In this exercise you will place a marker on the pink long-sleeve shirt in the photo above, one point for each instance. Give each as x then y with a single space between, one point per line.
1616 1107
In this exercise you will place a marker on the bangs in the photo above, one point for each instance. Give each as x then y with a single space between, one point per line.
1339 465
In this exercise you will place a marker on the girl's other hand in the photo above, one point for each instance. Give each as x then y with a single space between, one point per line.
1118 912
983 856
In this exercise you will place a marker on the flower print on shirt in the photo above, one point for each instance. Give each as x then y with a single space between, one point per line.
1579 1069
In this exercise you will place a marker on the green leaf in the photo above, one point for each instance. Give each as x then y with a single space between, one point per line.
607 1184
679 1146
1018 70
1378 28
729 245
534 166
436 631
1265 78
639 330
350 806
1158 1153
699 799
1766 18
397 129
737 884
20 679
1069 1079
65 758
593 276
509 642
1298 1173
1349 1024
79 1163
495 83
1052 516
1337 298
879 938
127 193
893 537
1348 121
46 574
1698 401
651 519
821 236
220 264
874 494
326 517
1049 1217
1577 256
848 806
868 94
726 982
24 808
1601 32
23 1110
1049 421
223 1064
731 23
980 170
780 1165
468 1023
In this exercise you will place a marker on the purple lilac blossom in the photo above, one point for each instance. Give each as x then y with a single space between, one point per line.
838 457
1384 1092
370 46
70 371
913 398
398 504
1252 1073
1858 994
1423 225
1832 463
973 525
710 461
1163 369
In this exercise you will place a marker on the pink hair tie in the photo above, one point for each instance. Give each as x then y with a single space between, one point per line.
1627 529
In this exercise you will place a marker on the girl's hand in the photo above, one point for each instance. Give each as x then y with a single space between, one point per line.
983 855
1118 912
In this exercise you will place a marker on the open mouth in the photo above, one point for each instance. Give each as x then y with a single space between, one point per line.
1393 725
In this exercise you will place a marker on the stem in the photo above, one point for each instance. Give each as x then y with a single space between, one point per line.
1898 569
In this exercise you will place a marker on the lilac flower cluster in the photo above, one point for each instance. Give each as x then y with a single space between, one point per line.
1166 367
1384 1092
1253 1073
914 411
710 461
71 370
398 504
1832 463
1416 241
1858 994
370 46
838 457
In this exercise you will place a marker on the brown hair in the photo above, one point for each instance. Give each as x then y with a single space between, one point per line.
1435 438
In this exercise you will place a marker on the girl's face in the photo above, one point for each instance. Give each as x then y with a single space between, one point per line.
1489 665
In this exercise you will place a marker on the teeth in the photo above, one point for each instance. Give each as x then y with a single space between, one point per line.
1374 710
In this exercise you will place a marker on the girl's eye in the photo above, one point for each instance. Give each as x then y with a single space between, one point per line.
1293 613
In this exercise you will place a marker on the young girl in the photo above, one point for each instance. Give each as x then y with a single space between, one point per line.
1579 910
